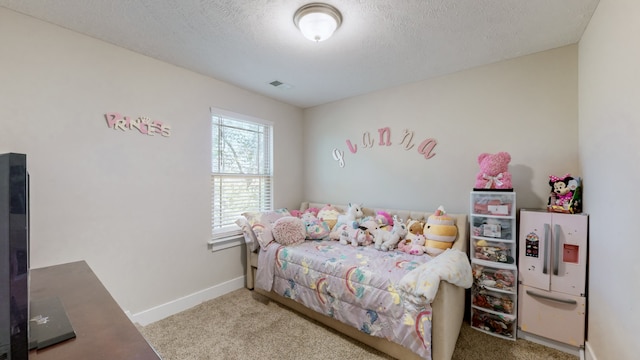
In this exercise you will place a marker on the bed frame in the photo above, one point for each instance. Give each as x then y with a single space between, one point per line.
448 306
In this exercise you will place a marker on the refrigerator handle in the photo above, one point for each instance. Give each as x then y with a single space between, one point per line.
556 255
547 297
547 229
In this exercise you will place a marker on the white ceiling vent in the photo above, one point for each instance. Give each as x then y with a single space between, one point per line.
280 85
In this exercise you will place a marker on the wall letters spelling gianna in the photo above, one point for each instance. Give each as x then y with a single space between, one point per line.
425 148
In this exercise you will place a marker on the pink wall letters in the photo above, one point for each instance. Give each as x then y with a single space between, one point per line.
425 148
144 125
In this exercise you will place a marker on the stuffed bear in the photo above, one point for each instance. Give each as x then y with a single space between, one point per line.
414 246
414 228
494 172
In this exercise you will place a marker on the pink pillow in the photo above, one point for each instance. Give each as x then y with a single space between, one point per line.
289 230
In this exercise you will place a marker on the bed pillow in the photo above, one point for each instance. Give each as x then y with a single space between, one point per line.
289 230
261 223
249 236
317 229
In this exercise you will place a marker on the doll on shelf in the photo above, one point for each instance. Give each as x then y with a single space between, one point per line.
565 194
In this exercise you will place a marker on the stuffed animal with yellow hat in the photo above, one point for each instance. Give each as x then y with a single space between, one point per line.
440 232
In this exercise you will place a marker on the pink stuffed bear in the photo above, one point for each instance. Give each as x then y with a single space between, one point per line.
414 246
494 173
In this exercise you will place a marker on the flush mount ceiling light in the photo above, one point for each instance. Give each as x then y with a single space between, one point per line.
317 21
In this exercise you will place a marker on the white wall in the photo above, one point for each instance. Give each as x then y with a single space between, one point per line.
135 207
527 106
609 74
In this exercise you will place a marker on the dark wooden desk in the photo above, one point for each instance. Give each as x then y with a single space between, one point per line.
103 331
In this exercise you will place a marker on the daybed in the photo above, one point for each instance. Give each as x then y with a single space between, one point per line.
445 310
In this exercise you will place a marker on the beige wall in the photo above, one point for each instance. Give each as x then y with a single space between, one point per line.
135 207
527 106
609 99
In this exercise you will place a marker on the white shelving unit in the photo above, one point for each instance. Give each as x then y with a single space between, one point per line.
494 294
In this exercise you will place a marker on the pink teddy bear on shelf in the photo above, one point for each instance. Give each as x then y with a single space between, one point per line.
494 172
415 246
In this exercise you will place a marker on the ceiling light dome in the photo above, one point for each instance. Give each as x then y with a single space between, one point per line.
317 21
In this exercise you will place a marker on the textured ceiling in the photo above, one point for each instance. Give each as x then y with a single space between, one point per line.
380 44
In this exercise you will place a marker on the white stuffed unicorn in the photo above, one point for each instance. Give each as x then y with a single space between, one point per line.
353 213
388 240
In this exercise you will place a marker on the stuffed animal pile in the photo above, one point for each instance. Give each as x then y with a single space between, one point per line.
384 231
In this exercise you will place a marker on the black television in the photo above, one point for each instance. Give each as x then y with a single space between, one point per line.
14 257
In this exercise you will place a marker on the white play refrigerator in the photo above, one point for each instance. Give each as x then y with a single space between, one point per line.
553 275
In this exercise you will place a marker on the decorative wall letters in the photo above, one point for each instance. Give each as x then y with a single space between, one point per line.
143 124
425 148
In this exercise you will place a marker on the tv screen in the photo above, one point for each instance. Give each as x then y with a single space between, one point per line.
14 257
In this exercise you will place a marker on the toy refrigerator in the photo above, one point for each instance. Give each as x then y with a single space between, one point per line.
552 275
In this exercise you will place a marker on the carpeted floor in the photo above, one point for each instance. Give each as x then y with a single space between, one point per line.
241 325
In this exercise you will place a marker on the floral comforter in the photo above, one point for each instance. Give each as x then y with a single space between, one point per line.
345 283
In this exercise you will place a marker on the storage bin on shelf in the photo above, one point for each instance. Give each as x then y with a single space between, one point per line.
489 276
493 322
493 251
494 300
499 204
492 228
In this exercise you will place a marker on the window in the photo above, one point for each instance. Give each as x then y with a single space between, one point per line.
241 172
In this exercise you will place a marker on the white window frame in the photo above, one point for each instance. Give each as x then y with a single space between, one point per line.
225 236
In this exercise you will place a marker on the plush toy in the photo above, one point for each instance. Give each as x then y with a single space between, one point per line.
388 240
353 214
316 228
329 214
313 210
308 216
356 236
561 192
370 225
414 227
337 232
384 218
494 172
565 194
440 231
414 246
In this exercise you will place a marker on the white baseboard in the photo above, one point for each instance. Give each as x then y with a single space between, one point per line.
589 354
160 312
